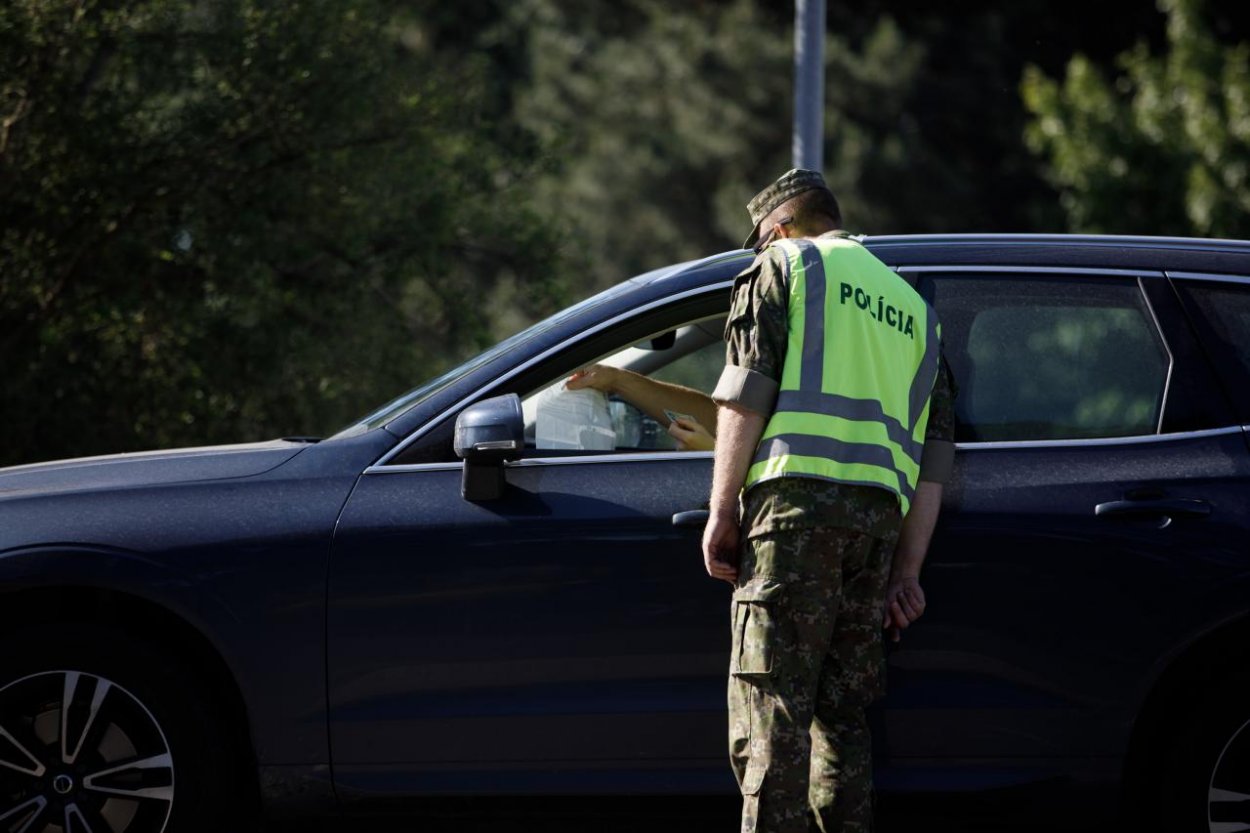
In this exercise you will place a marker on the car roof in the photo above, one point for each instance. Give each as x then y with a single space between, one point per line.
1060 251
1119 240
1166 254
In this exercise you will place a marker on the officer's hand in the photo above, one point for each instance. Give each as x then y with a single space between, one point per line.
720 548
904 604
600 377
691 435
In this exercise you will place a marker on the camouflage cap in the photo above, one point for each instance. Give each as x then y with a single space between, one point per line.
788 185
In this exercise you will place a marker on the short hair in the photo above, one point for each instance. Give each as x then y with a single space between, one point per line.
810 210
810 206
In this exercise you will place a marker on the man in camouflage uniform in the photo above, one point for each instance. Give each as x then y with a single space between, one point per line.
821 567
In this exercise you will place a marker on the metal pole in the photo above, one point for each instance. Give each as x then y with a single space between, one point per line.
809 83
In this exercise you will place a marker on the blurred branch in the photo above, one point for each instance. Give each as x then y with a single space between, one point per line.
20 110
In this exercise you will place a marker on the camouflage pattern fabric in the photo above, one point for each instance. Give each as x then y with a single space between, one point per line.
942 405
790 503
807 658
757 329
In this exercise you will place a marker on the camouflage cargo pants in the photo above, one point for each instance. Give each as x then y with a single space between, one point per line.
807 659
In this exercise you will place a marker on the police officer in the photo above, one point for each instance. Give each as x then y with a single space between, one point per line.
834 436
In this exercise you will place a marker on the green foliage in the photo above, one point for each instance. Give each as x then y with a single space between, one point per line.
666 120
1163 148
231 219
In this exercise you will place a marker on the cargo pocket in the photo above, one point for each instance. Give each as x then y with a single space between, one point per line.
756 623
752 782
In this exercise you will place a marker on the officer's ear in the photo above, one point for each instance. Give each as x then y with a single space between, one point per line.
782 227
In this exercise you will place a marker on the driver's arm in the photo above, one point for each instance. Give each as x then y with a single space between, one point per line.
650 396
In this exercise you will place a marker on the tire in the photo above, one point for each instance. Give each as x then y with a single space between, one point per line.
142 749
1205 771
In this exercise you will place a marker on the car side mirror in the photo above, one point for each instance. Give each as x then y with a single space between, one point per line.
488 434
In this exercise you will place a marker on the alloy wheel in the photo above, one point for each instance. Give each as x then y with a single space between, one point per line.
1228 793
81 754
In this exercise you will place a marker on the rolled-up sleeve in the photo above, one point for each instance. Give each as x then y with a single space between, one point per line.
756 335
938 460
748 388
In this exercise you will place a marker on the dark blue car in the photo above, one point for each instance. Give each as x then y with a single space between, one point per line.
404 611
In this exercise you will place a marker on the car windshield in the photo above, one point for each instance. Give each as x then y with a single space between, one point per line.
413 397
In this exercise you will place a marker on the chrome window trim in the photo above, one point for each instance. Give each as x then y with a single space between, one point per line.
1100 441
660 456
521 368
624 457
414 467
1242 280
1036 270
627 457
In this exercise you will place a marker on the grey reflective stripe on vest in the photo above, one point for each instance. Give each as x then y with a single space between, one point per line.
859 410
827 448
922 383
812 369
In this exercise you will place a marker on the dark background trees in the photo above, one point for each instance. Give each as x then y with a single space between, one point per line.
237 219
232 219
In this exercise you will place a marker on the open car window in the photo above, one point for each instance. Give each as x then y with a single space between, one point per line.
561 422
639 341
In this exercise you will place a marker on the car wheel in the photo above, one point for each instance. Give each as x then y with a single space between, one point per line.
103 733
1205 783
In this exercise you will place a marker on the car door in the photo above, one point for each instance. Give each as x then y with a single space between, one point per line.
564 637
1094 482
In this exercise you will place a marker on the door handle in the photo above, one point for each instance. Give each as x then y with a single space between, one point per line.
693 518
1172 506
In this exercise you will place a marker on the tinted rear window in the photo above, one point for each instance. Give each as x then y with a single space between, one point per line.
1043 358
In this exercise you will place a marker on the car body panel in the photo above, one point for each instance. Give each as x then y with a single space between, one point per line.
240 559
566 622
1018 551
149 468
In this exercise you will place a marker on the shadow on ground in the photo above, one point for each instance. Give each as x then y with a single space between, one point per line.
697 815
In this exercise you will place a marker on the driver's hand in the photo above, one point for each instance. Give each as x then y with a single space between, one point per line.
691 435
598 377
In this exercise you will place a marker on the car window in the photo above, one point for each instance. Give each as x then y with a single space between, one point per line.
1041 358
1221 313
699 370
565 422
399 405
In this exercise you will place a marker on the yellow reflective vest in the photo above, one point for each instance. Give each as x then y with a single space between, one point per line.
861 359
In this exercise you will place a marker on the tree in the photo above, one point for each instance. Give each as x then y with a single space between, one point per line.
231 219
1163 147
663 120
